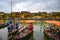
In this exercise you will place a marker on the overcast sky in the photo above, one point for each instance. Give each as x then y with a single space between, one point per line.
30 5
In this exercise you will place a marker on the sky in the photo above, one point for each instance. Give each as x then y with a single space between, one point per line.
30 5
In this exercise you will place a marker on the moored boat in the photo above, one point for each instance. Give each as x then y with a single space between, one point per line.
22 33
53 30
25 34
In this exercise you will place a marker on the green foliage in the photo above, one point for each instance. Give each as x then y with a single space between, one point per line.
41 22
33 14
7 15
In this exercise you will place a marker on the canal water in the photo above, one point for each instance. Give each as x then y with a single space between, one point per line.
3 34
37 34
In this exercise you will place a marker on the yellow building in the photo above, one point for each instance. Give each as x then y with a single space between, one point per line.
37 16
1 16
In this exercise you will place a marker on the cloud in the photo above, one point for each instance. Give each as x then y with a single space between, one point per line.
53 5
30 5
5 6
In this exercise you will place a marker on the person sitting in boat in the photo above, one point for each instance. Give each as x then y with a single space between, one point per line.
17 25
10 27
9 22
30 27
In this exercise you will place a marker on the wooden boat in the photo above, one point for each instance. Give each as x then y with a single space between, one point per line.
25 36
52 33
22 34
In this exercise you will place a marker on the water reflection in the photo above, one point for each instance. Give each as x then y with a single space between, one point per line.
3 34
38 32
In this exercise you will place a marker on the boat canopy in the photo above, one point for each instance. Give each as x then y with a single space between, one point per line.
53 22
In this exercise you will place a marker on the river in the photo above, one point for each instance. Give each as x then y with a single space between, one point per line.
37 34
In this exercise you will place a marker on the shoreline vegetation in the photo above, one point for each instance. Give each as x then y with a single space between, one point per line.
23 15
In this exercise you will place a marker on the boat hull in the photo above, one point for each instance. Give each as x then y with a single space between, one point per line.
28 37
